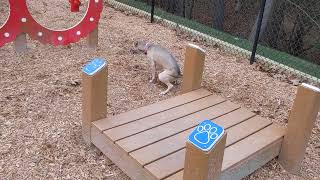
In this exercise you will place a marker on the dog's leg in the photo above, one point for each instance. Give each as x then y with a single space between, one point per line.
165 78
153 71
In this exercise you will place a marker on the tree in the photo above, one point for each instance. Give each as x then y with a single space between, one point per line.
301 27
266 16
188 8
179 7
218 14
273 29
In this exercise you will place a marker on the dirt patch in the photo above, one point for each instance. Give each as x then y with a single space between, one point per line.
40 98
56 14
4 11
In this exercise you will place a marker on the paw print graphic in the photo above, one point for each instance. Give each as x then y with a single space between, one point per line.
205 134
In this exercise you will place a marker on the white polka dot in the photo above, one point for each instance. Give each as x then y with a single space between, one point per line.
78 33
96 1
24 20
40 34
60 38
6 34
91 19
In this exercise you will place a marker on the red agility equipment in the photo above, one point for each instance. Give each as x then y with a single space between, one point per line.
74 4
20 21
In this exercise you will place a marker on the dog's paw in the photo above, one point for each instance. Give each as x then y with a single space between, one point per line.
163 93
152 81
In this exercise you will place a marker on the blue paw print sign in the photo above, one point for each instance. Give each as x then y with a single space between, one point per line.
94 66
205 135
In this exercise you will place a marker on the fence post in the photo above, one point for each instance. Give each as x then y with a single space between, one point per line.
301 121
152 10
193 68
256 39
94 95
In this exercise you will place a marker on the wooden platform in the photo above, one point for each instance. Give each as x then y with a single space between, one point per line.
149 142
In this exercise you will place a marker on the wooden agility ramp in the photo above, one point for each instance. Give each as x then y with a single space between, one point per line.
151 142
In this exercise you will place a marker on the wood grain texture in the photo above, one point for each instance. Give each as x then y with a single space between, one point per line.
139 113
161 132
135 127
301 121
94 100
246 128
251 146
251 164
174 143
245 149
176 176
202 165
193 68
127 165
246 167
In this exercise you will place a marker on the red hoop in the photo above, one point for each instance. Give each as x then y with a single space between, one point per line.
21 21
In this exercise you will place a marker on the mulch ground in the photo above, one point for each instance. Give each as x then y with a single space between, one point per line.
40 95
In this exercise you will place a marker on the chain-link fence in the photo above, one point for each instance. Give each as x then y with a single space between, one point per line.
292 27
289 29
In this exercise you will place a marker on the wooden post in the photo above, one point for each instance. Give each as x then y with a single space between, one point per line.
20 43
193 68
94 99
92 38
203 165
301 121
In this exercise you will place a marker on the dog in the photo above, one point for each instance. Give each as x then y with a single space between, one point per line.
159 56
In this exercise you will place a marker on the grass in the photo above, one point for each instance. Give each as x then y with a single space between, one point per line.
275 55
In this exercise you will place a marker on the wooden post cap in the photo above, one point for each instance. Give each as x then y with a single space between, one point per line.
94 94
193 68
94 66
204 152
301 121
205 136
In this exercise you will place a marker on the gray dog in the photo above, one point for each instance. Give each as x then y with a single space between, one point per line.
159 56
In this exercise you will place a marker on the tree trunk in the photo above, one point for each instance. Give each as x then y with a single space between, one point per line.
266 17
170 4
218 14
300 29
188 8
237 6
179 7
272 32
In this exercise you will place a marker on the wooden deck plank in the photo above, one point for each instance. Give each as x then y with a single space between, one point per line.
246 128
251 145
135 127
242 130
251 164
176 176
125 162
164 147
245 167
155 134
149 110
244 150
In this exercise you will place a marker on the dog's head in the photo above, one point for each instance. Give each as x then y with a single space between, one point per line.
140 45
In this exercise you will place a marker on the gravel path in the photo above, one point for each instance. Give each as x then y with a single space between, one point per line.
40 95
